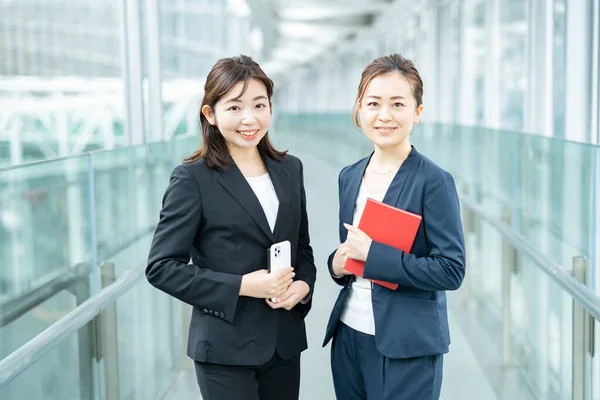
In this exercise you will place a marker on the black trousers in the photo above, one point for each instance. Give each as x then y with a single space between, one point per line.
361 372
278 379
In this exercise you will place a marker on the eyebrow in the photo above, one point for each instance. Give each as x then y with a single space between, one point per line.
391 98
237 100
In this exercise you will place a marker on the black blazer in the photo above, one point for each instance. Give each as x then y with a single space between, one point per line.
411 321
216 217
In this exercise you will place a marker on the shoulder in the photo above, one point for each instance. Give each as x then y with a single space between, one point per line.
200 169
291 160
431 171
433 175
290 163
197 171
350 169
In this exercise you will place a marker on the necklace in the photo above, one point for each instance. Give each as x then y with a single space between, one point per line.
386 172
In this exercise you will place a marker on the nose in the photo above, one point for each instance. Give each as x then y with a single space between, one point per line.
384 114
248 117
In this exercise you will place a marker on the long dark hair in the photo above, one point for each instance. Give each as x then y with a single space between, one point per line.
224 75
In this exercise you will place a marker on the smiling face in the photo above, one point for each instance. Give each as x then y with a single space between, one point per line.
242 120
388 110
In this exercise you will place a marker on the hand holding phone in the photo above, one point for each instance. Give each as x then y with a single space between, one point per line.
264 285
280 257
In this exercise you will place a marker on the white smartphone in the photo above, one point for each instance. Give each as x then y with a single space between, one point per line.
280 256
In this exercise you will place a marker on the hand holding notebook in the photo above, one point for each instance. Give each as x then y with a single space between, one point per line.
388 225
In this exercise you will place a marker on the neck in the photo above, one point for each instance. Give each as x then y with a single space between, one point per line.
392 156
245 156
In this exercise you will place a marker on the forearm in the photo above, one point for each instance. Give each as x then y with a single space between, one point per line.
199 287
407 270
340 280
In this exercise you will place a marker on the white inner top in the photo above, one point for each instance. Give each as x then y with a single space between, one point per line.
358 313
264 190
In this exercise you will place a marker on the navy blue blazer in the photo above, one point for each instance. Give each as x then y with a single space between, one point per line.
411 321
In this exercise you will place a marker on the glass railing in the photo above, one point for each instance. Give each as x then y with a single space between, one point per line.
545 188
542 189
64 222
132 349
61 219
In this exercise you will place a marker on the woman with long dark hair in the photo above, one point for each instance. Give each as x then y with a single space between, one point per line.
224 207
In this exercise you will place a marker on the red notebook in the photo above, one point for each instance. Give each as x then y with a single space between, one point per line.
388 225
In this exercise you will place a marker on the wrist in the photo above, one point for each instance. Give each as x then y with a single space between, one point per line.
336 273
243 285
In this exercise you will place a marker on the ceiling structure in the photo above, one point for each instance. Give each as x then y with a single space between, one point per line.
301 31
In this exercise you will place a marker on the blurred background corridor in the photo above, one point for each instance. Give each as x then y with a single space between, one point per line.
99 101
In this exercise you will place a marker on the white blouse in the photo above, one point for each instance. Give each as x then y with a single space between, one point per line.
358 312
264 190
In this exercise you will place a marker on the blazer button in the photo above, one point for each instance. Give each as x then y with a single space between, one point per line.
211 312
222 315
205 310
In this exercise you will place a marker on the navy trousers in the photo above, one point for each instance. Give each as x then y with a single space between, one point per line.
361 372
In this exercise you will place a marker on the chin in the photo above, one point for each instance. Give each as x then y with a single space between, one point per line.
386 143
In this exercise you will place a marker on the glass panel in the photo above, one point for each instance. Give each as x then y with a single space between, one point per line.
64 373
185 147
149 341
147 363
541 331
125 219
44 234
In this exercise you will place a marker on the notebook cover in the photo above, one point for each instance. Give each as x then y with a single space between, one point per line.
388 225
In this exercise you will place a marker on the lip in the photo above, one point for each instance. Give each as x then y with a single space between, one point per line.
385 129
248 137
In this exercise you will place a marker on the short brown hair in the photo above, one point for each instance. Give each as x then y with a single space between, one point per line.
383 65
224 75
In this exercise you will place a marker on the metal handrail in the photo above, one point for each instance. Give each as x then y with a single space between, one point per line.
32 351
18 305
580 293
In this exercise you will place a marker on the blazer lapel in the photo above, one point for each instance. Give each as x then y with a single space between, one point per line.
392 195
395 189
351 193
281 182
234 182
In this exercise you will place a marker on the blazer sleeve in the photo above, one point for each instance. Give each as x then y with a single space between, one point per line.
168 268
444 267
305 262
342 281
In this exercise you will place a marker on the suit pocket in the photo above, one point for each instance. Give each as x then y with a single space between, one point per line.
426 295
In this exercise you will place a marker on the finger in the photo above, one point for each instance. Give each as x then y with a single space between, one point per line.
282 281
352 238
271 304
283 297
282 272
352 228
284 287
289 303
287 277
